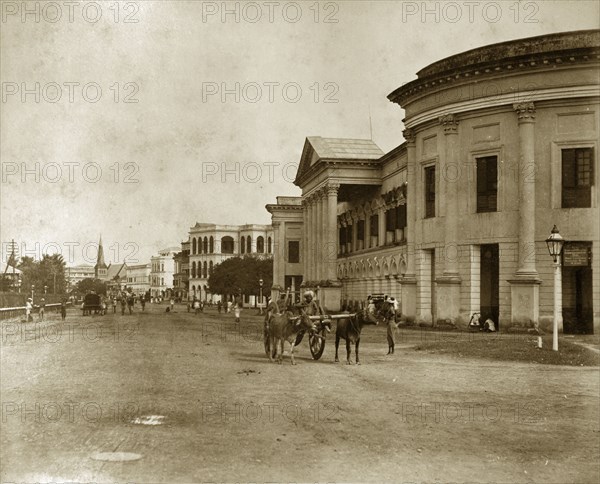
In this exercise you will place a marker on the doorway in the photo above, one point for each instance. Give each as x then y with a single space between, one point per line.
489 289
577 298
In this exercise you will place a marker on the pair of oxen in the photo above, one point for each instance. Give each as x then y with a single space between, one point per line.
290 328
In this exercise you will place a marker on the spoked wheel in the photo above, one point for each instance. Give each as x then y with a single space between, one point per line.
316 343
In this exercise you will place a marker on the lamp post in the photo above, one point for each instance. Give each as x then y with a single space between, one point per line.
555 246
32 288
45 290
260 297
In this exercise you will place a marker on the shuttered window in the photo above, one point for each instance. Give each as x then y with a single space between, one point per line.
577 177
487 184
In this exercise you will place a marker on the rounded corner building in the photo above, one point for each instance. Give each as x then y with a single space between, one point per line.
501 145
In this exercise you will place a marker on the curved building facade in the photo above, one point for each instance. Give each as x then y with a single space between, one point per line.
501 144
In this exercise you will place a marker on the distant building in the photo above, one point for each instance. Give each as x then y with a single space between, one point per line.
116 277
182 271
138 278
76 274
162 271
211 244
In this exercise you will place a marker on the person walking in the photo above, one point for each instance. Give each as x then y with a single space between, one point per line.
219 306
42 308
143 302
114 304
28 309
123 304
172 304
237 310
130 302
196 306
63 309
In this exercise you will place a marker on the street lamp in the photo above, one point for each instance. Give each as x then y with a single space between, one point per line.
260 298
45 290
555 246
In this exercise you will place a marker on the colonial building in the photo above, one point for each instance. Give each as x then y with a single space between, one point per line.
211 244
138 278
78 273
162 271
182 271
500 145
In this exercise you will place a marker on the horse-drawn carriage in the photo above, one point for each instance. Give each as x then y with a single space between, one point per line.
92 302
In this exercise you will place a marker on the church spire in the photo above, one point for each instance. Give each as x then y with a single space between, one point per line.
100 268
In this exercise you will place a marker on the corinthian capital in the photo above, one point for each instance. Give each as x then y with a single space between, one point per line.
409 136
450 123
332 189
525 111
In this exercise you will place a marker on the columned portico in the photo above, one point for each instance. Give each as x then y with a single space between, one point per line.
525 284
448 284
409 279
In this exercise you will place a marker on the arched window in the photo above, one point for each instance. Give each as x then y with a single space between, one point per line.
227 245
194 290
193 269
199 245
212 245
242 244
204 270
260 245
269 245
205 245
210 268
193 245
249 244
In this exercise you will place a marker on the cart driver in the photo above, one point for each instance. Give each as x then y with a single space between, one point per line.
312 307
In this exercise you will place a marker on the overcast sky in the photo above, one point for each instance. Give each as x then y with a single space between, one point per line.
141 173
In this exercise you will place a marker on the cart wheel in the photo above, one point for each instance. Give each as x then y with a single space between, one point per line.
316 344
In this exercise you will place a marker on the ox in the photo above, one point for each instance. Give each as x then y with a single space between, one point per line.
350 328
285 327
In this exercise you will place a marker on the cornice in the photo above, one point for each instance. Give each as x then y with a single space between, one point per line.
500 67
566 92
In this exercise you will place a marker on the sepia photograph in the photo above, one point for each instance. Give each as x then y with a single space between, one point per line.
311 241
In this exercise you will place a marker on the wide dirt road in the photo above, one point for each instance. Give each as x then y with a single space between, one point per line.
194 399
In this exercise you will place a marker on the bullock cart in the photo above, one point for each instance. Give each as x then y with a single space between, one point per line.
316 336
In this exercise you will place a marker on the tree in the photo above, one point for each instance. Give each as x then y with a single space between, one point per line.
49 273
89 284
242 274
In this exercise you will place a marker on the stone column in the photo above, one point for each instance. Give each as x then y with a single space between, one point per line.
318 235
313 237
277 261
409 279
325 226
332 236
382 231
448 284
525 284
305 239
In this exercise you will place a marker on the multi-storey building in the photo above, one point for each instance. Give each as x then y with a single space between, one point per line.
211 244
78 273
162 269
501 144
138 278
182 272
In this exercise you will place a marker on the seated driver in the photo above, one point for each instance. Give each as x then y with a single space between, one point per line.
313 308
